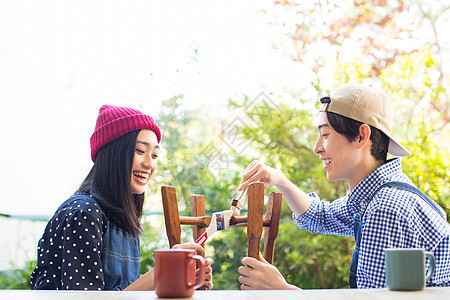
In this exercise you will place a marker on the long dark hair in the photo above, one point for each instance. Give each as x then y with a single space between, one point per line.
109 182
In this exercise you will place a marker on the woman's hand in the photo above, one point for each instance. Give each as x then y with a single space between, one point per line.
208 283
190 245
260 275
256 171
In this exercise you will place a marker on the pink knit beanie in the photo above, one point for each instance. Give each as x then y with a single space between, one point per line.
115 121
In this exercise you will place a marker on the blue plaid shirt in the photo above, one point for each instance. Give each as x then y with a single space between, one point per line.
394 218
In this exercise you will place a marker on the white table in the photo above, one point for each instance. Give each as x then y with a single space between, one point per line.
344 294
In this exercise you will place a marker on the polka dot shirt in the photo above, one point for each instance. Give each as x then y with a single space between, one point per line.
69 252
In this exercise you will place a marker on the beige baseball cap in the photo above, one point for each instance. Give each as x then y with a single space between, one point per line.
366 104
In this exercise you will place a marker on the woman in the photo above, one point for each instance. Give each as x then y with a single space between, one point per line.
92 240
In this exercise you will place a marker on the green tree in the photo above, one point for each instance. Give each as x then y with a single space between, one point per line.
285 140
359 41
190 145
394 44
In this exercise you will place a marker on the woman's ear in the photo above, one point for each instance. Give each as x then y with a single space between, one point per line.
364 136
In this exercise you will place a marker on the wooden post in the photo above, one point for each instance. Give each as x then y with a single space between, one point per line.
197 210
171 215
271 232
255 218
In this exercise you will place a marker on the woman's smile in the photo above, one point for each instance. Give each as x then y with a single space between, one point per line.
141 177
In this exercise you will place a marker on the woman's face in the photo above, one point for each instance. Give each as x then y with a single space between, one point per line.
145 160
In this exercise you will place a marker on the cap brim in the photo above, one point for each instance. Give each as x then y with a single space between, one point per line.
396 149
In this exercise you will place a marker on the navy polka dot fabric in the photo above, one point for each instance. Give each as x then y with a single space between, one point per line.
77 246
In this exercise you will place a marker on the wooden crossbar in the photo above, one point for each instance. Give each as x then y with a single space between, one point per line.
204 221
254 221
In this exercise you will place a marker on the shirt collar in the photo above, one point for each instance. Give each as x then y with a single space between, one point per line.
360 194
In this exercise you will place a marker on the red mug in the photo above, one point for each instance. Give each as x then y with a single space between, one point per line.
175 272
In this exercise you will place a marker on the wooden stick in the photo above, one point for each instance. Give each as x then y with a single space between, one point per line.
198 210
204 221
271 232
171 215
255 218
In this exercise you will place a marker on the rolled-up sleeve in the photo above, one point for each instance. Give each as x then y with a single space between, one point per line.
327 217
304 220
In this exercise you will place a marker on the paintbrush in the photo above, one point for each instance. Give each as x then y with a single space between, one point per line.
219 221
238 203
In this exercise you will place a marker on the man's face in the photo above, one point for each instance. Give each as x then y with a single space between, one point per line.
340 157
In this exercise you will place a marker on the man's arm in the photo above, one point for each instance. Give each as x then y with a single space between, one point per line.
298 201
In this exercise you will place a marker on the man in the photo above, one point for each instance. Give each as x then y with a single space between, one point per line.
354 126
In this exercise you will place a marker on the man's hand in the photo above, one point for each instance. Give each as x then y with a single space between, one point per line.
259 172
260 275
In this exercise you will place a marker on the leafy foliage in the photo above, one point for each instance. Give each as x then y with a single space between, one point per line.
228 248
285 140
282 135
189 146
381 42
17 278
